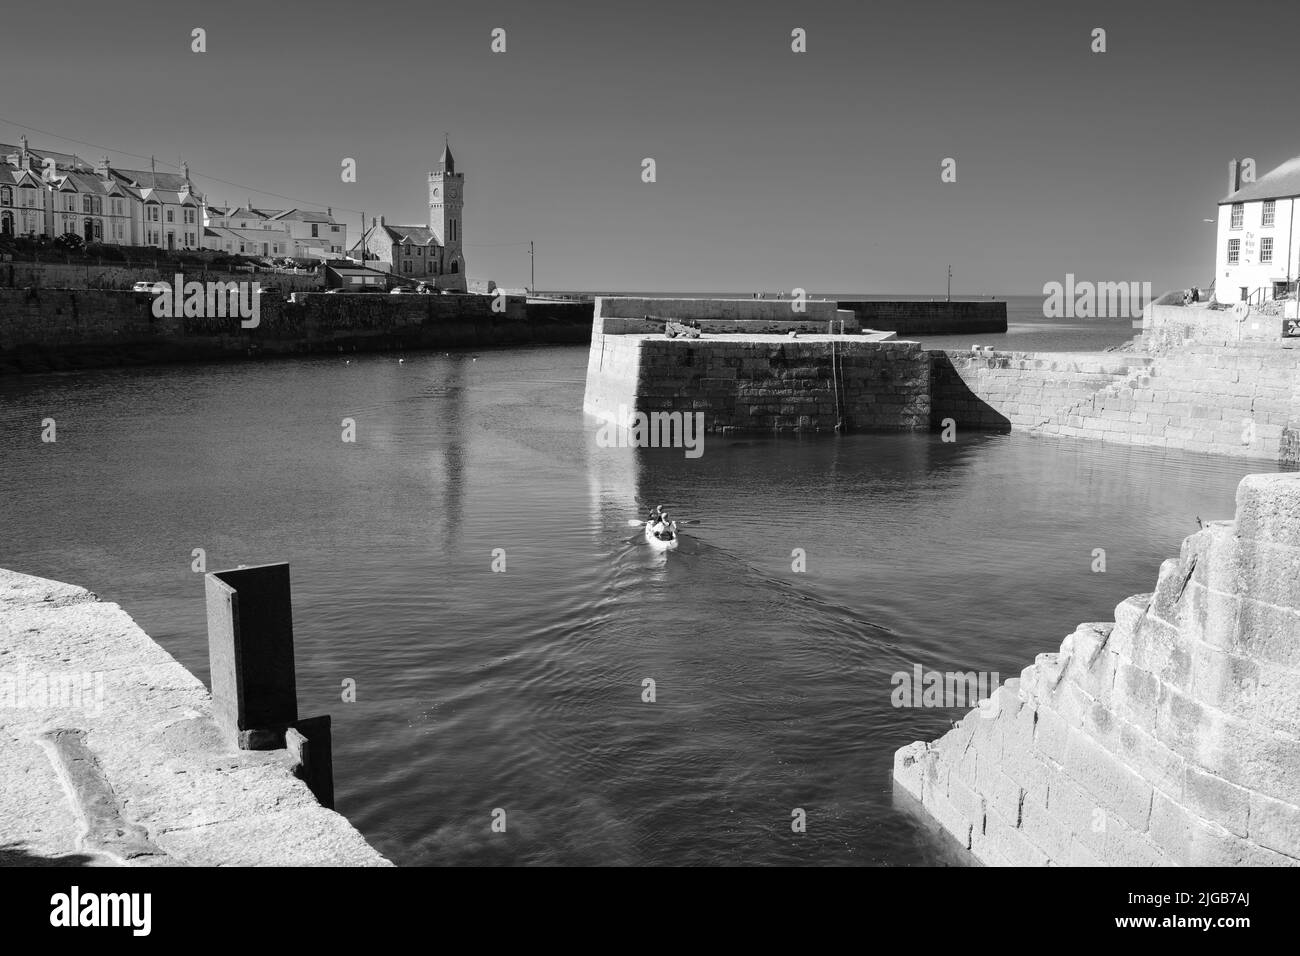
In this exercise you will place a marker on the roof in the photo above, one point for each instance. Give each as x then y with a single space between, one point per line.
419 235
305 215
447 161
64 160
91 183
243 212
12 175
146 179
247 235
1280 183
355 270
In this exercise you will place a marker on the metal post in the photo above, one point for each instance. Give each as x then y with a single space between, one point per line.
254 685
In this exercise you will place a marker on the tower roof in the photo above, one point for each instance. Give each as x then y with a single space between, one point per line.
448 161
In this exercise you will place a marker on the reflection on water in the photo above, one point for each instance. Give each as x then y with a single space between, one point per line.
523 690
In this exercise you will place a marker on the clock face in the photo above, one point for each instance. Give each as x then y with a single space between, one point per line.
436 192
454 192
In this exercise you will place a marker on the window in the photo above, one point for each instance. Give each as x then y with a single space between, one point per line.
406 265
455 266
315 231
1266 249
7 199
152 212
419 251
334 228
29 197
98 206
99 231
171 215
1270 210
189 216
117 207
1238 214
1234 251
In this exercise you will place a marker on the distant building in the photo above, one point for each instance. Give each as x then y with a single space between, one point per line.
315 235
432 252
300 233
347 277
1257 256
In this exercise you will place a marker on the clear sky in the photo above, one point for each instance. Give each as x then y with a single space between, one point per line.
775 169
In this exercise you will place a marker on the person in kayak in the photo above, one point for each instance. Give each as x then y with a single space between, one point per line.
656 515
666 529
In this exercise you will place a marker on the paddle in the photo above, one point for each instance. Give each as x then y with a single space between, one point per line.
638 522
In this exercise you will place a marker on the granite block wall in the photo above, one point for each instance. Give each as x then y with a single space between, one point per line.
1168 736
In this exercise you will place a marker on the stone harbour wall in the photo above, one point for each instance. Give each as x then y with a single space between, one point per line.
757 379
1168 736
67 276
799 385
1004 390
44 329
1240 399
930 318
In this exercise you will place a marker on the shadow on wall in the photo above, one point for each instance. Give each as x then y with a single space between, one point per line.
951 397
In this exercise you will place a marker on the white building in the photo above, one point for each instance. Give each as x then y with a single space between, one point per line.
1258 252
315 235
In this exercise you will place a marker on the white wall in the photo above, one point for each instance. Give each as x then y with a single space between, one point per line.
1250 272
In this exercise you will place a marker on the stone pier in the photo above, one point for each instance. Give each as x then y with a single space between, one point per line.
747 372
1168 736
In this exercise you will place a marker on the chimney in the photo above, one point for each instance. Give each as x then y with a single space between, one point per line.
381 220
185 170
329 211
1234 176
24 158
101 168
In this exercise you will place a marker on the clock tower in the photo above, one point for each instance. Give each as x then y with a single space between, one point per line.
446 202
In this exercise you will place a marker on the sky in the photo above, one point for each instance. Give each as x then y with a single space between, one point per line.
774 170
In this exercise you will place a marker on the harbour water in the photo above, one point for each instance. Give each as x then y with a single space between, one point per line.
522 689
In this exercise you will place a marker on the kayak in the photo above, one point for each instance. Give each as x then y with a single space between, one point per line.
663 544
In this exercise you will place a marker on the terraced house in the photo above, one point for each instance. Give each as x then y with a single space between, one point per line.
52 194
22 201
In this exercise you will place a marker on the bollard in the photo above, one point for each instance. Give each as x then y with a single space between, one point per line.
254 685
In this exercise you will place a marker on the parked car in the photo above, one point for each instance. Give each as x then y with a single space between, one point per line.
152 288
397 290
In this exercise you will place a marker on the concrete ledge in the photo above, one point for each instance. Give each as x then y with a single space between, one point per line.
109 754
